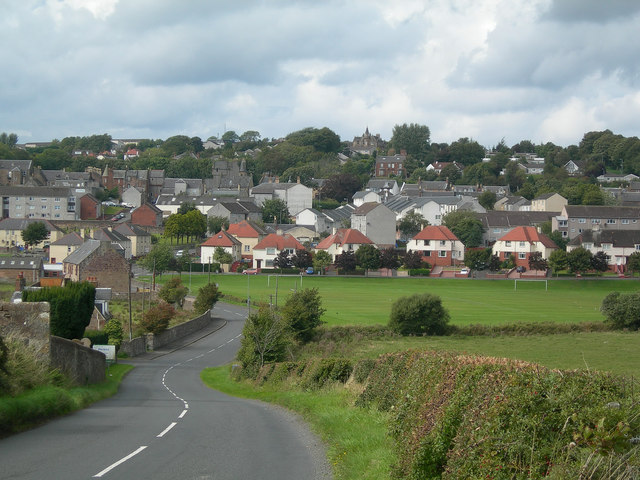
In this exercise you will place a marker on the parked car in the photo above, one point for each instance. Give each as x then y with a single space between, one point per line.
465 271
309 271
251 271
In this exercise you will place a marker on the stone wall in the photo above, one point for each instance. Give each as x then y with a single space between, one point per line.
179 331
134 347
82 364
27 322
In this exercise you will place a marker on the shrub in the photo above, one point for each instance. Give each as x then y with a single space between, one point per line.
362 369
156 319
115 333
70 308
328 370
302 311
622 311
173 292
419 272
207 297
420 314
97 337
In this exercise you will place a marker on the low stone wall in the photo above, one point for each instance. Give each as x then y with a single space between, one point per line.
84 365
134 347
179 331
28 322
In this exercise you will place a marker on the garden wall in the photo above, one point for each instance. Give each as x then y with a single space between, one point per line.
82 364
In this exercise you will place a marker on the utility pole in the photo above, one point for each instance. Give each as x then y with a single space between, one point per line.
130 321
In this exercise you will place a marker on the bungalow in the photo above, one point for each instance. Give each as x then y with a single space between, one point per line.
344 240
438 245
521 242
266 251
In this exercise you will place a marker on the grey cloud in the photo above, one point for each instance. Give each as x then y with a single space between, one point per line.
596 11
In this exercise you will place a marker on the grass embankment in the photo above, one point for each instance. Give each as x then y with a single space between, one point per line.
44 402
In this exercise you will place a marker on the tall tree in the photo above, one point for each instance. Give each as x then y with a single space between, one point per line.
466 226
579 260
302 259
275 211
389 258
368 257
411 224
35 233
346 261
413 138
302 312
321 260
341 187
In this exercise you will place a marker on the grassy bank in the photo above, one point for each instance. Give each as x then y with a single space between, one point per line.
42 403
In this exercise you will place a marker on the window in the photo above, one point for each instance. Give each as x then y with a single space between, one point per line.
426 253
506 255
507 243
522 244
247 248
625 221
43 207
582 220
496 230
57 199
606 246
587 246
611 221
438 217
427 243
595 221
637 246
271 251
57 207
443 243
442 253
268 263
565 234
522 255
562 223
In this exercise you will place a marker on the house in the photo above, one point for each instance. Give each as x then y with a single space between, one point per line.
52 203
424 187
131 154
575 219
327 220
63 247
11 232
574 167
183 186
367 144
123 179
462 189
390 165
170 204
133 197
147 215
223 240
614 177
118 241
377 222
616 244
496 224
230 175
31 268
344 240
438 245
302 233
520 243
385 187
88 181
139 238
15 172
436 167
513 203
532 168
266 251
249 234
366 197
548 202
236 211
499 190
296 195
99 263
90 207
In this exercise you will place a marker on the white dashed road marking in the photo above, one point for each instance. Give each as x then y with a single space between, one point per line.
119 462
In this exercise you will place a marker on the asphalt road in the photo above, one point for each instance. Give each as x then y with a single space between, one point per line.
165 424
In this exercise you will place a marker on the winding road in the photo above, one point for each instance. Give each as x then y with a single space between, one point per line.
165 424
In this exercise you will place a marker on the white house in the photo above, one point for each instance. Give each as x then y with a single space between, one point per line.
296 195
266 251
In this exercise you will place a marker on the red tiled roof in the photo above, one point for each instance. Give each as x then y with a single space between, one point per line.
528 234
436 232
344 236
279 242
243 229
220 239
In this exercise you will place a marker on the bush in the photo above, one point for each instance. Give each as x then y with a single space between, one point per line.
302 312
70 308
207 297
156 319
419 272
173 291
328 370
362 369
115 333
420 314
622 311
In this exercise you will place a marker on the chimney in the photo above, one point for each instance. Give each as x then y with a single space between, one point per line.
298 180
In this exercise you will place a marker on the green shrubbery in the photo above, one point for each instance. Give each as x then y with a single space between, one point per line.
173 292
419 315
71 307
156 319
622 311
97 337
207 297
419 272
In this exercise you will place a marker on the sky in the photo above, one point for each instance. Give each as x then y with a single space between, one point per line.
539 70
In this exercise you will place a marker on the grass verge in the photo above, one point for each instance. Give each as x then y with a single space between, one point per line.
357 443
43 403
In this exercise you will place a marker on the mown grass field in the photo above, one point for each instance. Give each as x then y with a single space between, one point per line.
367 301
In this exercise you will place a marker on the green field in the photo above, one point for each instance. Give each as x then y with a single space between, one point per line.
367 301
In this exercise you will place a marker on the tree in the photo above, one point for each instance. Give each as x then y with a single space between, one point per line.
466 226
158 259
633 262
346 261
275 211
600 262
389 258
265 338
70 307
302 312
322 140
173 292
282 260
216 224
466 151
115 333
579 260
413 138
411 224
35 233
368 257
341 187
302 259
487 199
206 299
420 314
536 262
494 264
558 260
321 260
477 259
222 257
156 319
413 259
622 310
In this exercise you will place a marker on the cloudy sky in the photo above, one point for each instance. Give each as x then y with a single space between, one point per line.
541 70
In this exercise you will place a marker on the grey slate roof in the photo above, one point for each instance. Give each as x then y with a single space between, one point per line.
602 211
81 253
21 263
618 238
36 191
497 218
72 238
22 223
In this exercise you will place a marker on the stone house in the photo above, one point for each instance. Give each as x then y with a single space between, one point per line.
133 197
98 262
31 268
236 211
548 202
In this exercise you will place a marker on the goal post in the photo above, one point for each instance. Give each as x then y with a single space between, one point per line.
515 282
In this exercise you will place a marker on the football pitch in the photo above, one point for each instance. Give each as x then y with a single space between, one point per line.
368 301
